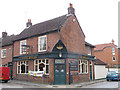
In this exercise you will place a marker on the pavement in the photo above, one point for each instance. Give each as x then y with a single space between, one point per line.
78 85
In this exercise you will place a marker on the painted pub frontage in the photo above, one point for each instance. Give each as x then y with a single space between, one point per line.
58 48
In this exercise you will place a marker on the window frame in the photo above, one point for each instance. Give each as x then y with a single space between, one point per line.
39 43
2 53
21 46
115 58
80 66
113 50
26 65
89 50
40 61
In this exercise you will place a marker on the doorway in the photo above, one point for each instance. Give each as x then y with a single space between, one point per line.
60 74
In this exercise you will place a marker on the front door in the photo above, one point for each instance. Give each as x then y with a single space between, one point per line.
91 75
60 74
10 66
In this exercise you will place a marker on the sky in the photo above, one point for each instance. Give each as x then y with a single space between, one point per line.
98 18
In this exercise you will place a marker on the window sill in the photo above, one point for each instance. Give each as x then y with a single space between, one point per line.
3 58
42 51
83 73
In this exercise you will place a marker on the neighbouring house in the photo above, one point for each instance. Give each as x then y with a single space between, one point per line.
56 47
109 53
100 69
6 50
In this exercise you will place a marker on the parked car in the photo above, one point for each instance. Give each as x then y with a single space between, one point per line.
113 75
4 74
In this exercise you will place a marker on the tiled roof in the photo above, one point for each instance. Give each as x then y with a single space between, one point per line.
99 62
7 40
88 44
102 46
42 28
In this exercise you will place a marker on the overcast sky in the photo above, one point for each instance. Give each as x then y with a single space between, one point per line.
98 18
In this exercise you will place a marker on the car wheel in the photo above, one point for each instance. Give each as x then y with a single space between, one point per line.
107 79
6 81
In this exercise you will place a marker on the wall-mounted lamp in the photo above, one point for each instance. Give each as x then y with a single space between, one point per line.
60 54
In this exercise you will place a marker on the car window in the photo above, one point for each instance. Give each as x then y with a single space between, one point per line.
112 72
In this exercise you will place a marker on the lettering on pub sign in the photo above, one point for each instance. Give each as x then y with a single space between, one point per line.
73 65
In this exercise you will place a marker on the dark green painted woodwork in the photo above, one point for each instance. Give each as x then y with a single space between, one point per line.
59 73
91 77
54 55
10 66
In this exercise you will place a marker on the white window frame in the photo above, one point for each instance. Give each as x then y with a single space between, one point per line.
39 43
113 49
21 46
115 58
40 61
80 66
26 65
89 50
3 56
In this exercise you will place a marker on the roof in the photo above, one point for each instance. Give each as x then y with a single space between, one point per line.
99 62
88 44
42 28
7 40
102 46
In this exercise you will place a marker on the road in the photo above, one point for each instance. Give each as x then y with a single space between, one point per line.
23 84
111 84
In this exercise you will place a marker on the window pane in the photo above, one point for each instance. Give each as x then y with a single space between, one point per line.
43 61
18 63
36 68
42 42
46 61
23 69
36 62
26 69
56 68
41 66
47 69
26 62
39 61
18 69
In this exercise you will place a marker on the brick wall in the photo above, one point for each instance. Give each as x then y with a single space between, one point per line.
106 55
72 36
8 57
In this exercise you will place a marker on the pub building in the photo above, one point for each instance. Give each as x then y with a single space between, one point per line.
58 48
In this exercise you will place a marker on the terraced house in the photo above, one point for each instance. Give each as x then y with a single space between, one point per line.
57 47
109 53
6 50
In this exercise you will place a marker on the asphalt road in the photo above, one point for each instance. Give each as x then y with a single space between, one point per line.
110 84
19 84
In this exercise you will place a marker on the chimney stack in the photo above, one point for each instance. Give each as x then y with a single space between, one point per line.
112 41
4 34
71 10
28 24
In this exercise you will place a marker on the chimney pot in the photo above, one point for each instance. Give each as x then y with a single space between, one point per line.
112 41
71 10
28 24
71 5
4 34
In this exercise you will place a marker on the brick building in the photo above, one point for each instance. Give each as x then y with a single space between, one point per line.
6 50
58 48
108 53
